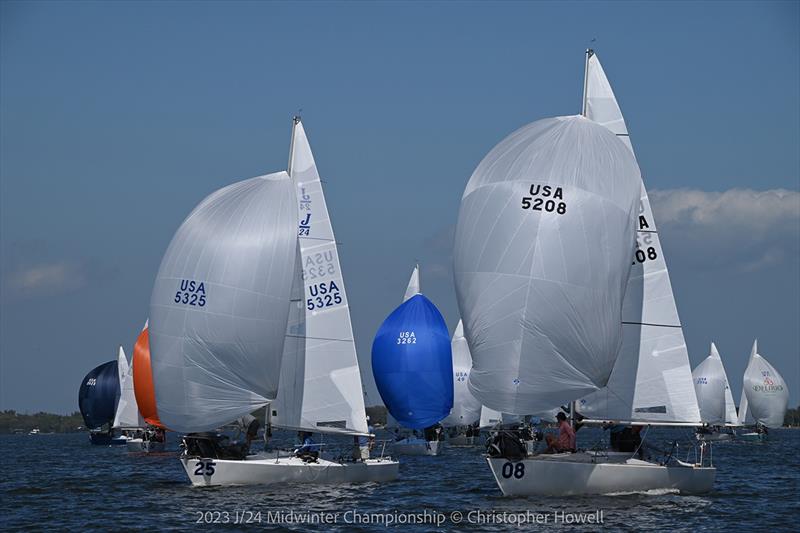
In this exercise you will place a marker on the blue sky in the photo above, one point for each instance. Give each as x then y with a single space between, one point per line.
117 118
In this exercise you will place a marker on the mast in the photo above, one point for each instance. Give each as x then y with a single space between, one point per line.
589 54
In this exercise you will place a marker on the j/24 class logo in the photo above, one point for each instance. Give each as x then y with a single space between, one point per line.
192 293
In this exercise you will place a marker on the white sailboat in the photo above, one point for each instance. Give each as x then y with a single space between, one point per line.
273 329
765 397
714 398
639 373
123 405
466 408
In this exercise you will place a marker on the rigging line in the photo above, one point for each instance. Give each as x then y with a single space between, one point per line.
650 324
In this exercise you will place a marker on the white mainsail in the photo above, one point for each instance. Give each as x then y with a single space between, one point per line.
764 392
466 408
127 415
710 384
543 241
320 384
220 304
652 378
413 284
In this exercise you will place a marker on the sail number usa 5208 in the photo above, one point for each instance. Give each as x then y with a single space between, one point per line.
545 198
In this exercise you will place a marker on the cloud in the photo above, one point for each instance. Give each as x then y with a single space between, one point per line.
53 277
32 268
741 229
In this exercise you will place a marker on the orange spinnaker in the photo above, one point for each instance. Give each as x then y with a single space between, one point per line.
143 379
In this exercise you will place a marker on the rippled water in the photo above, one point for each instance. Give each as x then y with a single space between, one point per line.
61 482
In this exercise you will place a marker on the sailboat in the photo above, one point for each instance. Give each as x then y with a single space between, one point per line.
127 418
137 391
252 282
714 398
97 400
765 397
555 308
466 410
413 369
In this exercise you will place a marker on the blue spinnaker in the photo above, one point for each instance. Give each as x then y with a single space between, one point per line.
99 394
413 365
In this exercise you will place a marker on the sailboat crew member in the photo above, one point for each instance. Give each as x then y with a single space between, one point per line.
566 437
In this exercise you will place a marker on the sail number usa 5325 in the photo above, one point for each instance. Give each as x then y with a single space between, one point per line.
191 292
545 198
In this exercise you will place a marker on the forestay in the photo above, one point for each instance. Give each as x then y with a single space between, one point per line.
651 381
764 392
220 304
542 256
127 415
320 384
466 408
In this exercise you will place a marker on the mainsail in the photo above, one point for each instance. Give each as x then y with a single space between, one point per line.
220 303
652 379
711 384
765 395
542 256
143 379
127 415
98 395
320 384
466 408
412 363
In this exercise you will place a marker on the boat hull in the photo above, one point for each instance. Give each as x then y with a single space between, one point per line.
264 470
562 475
145 446
416 447
104 439
753 436
716 436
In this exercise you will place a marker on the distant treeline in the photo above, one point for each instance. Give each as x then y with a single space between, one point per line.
13 422
792 417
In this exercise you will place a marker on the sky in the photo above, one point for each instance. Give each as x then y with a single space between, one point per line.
117 118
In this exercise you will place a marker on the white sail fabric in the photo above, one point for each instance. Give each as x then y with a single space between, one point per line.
466 408
652 378
320 385
413 284
710 384
489 417
542 256
127 415
765 392
219 308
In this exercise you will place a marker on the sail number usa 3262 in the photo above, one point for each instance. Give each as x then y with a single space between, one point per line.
545 198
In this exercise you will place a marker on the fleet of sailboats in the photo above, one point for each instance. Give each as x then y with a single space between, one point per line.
566 306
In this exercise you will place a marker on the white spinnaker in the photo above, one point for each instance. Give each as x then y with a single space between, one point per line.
320 385
219 308
413 287
765 390
652 378
709 384
543 243
466 408
127 415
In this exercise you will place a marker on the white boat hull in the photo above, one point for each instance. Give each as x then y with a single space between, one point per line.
751 436
145 446
568 475
262 469
416 447
716 436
